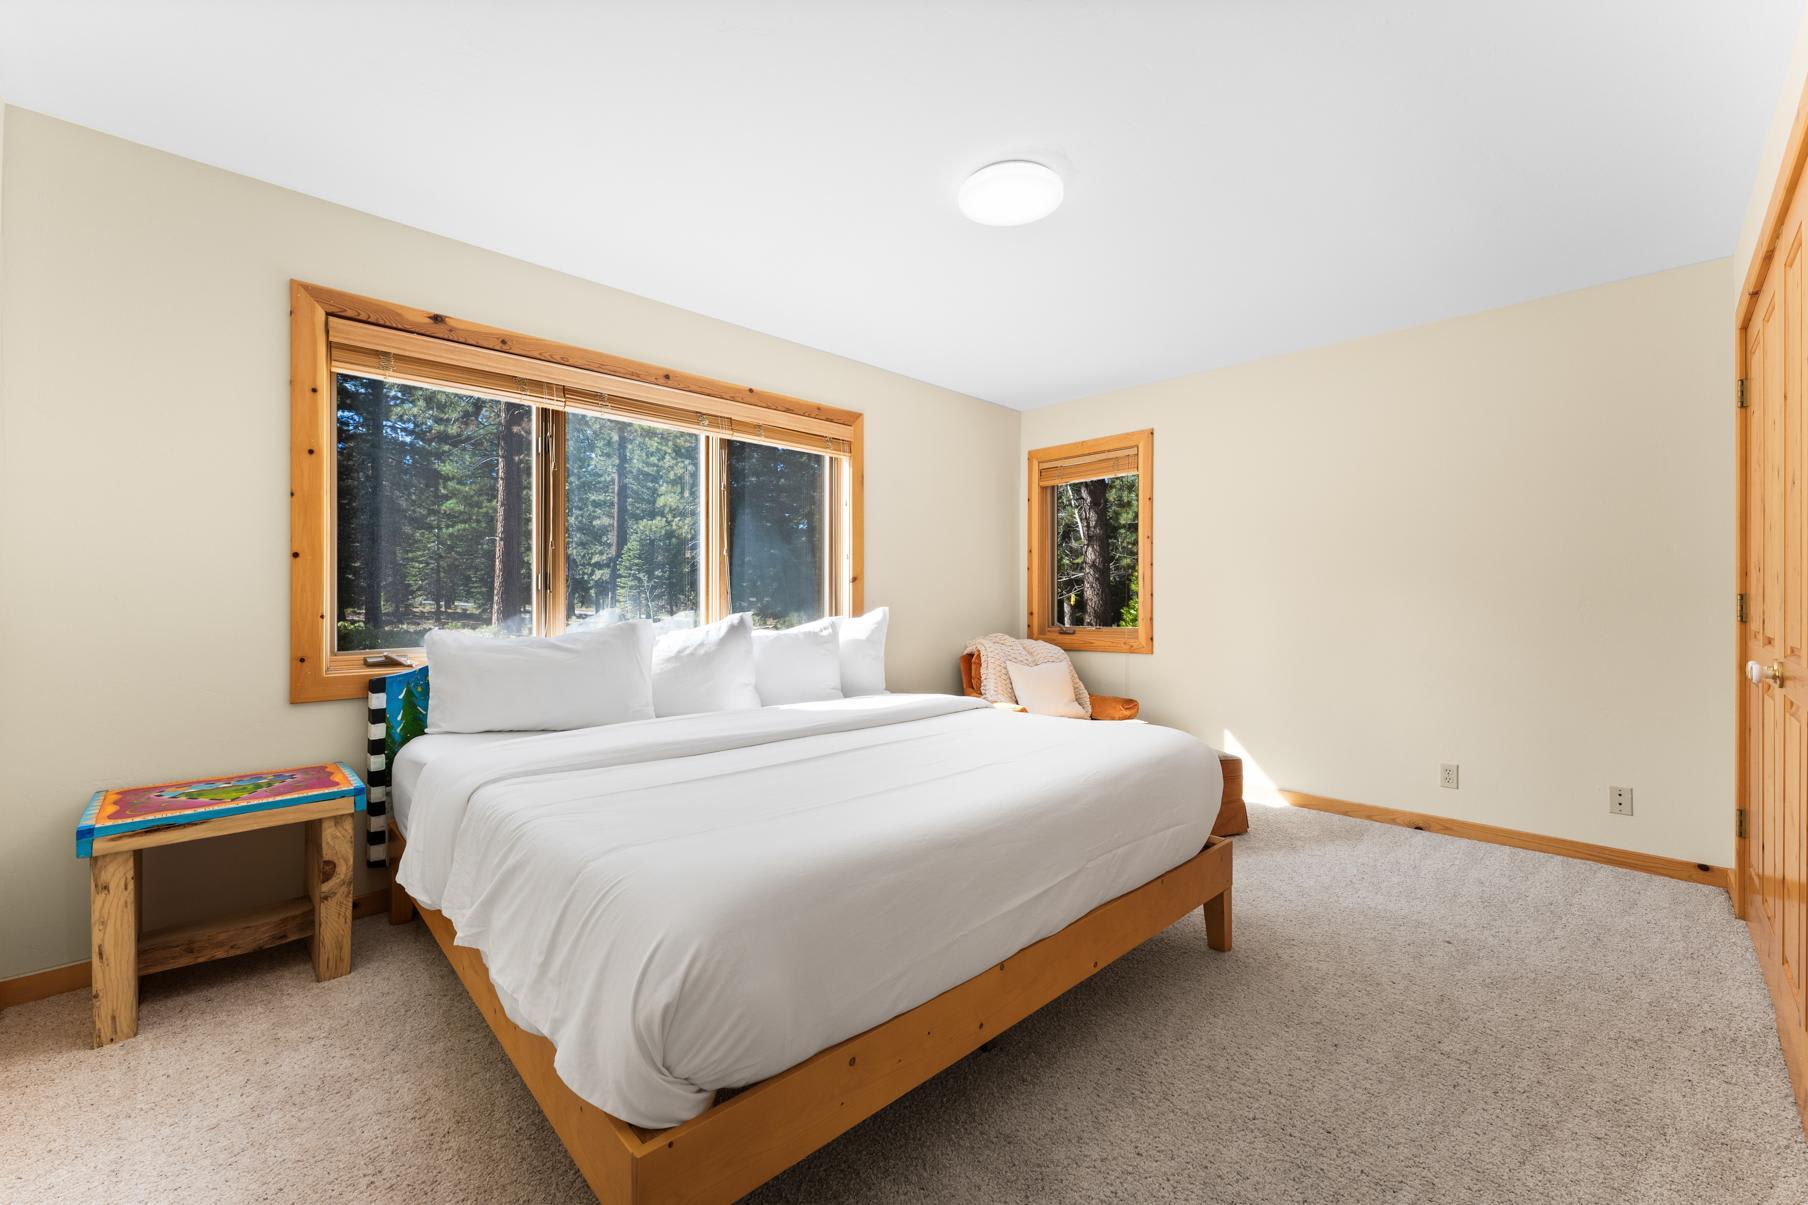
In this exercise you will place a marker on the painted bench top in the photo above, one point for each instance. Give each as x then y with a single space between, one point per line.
130 809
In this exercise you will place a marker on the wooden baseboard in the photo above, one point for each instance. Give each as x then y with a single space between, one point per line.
40 985
1606 855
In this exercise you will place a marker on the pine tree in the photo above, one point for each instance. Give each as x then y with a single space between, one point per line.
410 723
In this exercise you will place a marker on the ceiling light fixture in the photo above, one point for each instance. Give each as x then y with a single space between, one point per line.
1013 193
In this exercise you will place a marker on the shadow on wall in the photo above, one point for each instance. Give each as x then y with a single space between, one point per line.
1257 786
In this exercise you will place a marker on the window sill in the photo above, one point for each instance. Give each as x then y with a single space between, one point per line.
1098 640
345 676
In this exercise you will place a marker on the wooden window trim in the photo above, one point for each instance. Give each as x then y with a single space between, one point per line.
1078 462
555 377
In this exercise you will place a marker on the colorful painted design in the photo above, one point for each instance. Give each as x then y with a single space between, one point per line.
130 809
407 697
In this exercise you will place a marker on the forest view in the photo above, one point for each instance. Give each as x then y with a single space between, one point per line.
632 543
777 534
1095 553
435 520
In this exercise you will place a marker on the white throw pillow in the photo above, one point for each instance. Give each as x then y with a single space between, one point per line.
863 653
705 669
1046 690
798 665
539 683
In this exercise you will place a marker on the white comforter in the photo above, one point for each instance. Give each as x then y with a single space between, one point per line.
700 902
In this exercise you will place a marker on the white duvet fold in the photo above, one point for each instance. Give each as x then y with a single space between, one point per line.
699 902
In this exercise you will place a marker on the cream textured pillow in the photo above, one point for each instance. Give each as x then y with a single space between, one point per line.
1046 690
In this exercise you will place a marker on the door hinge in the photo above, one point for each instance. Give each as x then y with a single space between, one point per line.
1739 393
1740 607
1739 823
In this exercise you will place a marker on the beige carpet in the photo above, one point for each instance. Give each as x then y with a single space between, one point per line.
1406 1018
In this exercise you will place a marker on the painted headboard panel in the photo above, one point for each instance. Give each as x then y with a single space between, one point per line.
397 714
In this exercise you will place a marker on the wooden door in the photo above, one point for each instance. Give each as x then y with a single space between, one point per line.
1773 858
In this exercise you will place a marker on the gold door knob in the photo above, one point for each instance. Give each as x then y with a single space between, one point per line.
1775 673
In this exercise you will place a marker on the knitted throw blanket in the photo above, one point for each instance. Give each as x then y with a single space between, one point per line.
998 650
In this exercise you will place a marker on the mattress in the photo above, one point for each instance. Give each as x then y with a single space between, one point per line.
700 902
420 752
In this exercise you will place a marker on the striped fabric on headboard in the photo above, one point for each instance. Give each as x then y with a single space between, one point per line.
397 713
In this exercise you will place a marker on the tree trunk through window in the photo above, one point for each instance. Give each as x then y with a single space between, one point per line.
378 524
619 529
509 595
1094 519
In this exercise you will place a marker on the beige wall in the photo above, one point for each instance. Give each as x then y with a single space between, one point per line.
1504 541
144 505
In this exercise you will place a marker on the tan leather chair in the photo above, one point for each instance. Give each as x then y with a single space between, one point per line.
1233 815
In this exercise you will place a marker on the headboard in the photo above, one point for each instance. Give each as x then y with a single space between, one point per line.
397 714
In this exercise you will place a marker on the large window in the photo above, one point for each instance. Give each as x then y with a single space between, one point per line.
1091 508
447 475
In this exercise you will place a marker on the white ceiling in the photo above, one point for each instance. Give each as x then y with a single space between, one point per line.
1244 177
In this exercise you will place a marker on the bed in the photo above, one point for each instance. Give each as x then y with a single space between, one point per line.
711 943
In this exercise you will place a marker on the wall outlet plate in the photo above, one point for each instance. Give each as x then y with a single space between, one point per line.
1447 775
1619 800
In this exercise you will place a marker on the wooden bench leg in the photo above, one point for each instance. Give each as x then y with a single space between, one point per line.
1217 921
329 873
113 901
401 904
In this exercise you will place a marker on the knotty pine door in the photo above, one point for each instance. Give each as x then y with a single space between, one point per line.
1773 575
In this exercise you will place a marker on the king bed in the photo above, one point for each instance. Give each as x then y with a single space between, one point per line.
710 943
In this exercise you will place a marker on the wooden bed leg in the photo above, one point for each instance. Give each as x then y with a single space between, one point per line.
401 904
1217 921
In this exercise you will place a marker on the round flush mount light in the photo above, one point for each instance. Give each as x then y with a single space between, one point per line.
1013 193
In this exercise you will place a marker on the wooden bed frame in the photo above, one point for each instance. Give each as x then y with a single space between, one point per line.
753 1135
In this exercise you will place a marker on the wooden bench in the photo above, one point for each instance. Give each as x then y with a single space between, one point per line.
120 824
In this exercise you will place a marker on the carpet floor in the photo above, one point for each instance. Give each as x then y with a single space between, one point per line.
1405 1018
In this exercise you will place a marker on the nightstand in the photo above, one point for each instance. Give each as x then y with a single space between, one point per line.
119 825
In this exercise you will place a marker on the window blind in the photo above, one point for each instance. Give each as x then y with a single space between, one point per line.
362 349
1111 462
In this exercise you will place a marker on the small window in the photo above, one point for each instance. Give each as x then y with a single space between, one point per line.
1091 535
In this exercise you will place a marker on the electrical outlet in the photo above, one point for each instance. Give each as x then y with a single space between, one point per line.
1447 776
1619 800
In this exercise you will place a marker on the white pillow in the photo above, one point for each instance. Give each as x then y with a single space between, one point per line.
539 683
1046 689
863 653
705 669
798 665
